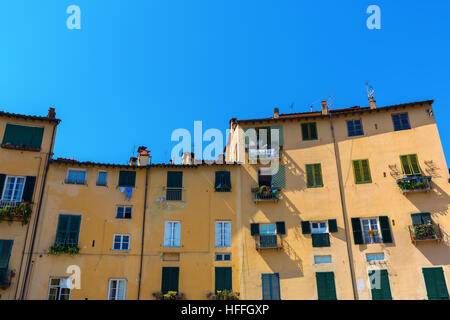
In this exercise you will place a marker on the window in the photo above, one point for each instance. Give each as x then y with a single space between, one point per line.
172 234
223 181
370 230
117 288
375 257
326 289
59 288
367 230
13 189
309 131
379 285
270 286
319 227
421 218
121 242
354 128
102 178
68 230
127 179
268 233
223 277
268 229
23 136
123 212
314 175
223 256
322 259
76 176
5 254
435 283
170 277
223 234
410 164
174 185
320 236
401 121
361 171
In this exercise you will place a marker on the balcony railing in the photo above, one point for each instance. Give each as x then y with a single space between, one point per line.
174 194
5 278
268 241
414 184
8 204
15 210
320 239
425 232
265 193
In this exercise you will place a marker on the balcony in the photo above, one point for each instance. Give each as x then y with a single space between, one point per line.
268 241
15 211
425 232
320 239
5 278
410 184
265 193
263 153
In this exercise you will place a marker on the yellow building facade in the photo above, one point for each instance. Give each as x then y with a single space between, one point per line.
355 209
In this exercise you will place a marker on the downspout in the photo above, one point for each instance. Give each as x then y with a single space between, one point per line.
33 238
344 211
147 169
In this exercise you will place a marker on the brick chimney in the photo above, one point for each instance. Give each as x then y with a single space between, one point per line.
133 161
276 113
51 113
372 103
324 108
187 158
143 156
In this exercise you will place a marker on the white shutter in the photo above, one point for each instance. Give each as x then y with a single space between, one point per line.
177 234
121 285
227 232
168 234
218 234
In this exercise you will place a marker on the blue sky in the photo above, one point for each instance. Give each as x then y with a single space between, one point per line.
138 69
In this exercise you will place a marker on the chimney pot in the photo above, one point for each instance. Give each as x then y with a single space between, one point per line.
372 103
51 113
276 113
187 158
133 161
324 108
143 156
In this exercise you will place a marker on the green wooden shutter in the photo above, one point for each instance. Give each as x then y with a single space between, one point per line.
313 131
318 175
223 181
435 283
279 179
174 179
270 286
414 162
309 131
281 228
169 279
280 134
254 229
28 189
385 229
127 178
74 230
405 165
305 131
309 176
326 288
361 171
223 279
306 227
357 171
421 218
410 164
357 231
23 135
379 283
5 253
332 225
2 184
68 230
320 239
61 230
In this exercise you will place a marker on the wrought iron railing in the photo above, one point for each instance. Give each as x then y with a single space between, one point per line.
268 241
266 193
425 232
174 194
9 204
414 183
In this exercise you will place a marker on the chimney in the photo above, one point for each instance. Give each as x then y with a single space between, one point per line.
133 161
51 113
372 103
220 159
187 158
143 156
276 113
324 108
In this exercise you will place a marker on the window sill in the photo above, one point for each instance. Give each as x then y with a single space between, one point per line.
76 183
22 148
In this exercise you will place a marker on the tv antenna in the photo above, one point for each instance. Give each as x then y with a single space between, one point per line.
370 90
291 107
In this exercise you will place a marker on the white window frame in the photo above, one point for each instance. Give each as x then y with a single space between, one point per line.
375 254
98 175
121 241
319 230
58 287
268 233
117 208
323 257
110 287
172 238
221 233
365 237
72 169
14 188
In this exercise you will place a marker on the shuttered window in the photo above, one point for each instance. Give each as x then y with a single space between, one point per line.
76 176
354 128
410 164
263 136
309 131
270 286
401 121
357 231
13 189
435 283
223 279
361 170
314 175
326 289
320 239
172 234
23 136
279 178
68 230
169 279
421 218
223 181
5 253
174 185
379 285
127 179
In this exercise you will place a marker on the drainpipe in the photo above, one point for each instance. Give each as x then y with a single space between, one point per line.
33 238
344 211
147 169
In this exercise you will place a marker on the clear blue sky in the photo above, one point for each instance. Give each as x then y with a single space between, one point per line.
138 69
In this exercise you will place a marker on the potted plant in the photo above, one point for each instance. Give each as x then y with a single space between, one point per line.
372 233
